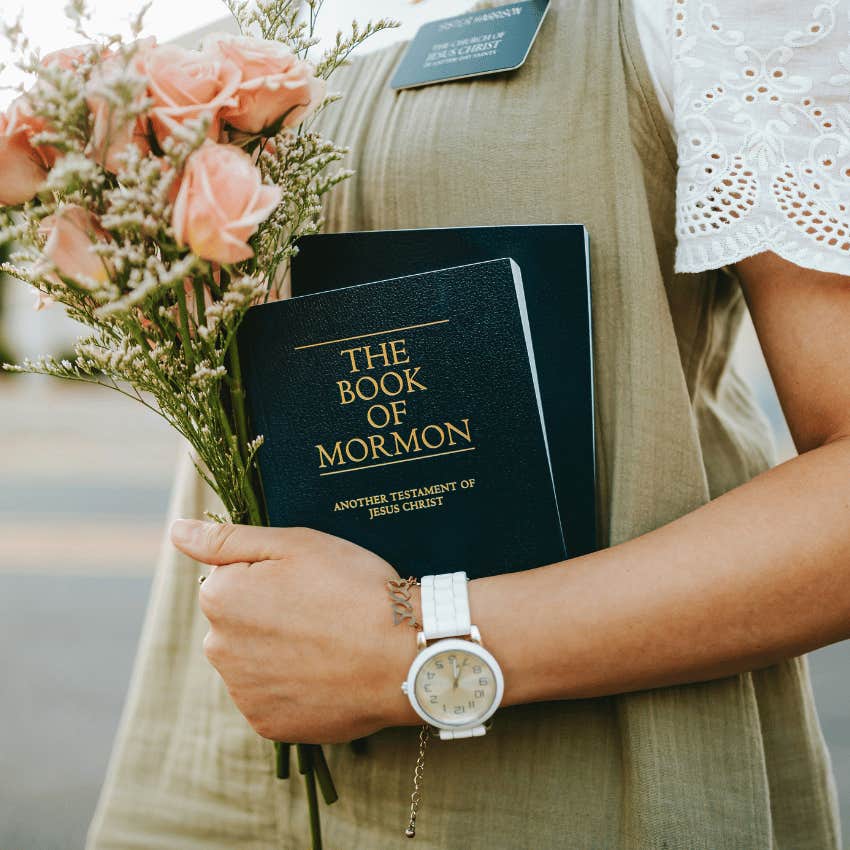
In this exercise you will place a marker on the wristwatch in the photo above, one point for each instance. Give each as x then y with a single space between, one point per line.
454 683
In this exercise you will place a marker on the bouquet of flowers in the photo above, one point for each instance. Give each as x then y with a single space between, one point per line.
158 193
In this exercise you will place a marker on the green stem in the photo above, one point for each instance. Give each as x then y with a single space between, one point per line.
305 767
313 804
167 383
323 776
184 324
200 302
237 395
233 443
254 512
237 401
282 759
305 758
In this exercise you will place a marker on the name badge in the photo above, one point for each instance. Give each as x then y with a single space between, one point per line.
488 41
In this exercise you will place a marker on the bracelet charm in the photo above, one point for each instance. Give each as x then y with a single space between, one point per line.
399 591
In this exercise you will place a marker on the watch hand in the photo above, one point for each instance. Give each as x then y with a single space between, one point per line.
456 673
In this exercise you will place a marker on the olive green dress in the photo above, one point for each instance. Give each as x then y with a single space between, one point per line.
738 764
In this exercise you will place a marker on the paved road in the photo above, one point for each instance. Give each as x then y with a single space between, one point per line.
66 649
84 482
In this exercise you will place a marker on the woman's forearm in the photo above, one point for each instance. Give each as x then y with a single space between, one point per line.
760 574
757 575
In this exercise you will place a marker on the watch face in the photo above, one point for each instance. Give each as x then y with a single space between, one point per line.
455 687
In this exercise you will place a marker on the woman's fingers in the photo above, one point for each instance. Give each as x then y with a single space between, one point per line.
221 543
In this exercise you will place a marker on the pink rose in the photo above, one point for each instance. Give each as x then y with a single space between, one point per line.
70 236
23 166
112 134
221 202
188 84
70 58
275 83
31 123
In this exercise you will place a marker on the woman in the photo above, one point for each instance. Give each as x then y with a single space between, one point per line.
655 696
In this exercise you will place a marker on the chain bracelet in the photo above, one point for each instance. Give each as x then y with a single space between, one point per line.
399 591
416 796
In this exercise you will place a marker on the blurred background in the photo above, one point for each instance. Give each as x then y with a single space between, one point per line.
84 488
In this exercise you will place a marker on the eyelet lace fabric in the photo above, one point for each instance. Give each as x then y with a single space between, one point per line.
762 118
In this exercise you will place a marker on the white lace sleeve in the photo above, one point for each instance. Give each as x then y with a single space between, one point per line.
762 116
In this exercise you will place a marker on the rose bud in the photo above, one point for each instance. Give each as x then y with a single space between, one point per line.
70 236
70 58
221 202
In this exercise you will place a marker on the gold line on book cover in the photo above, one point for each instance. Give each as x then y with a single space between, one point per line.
404 460
373 333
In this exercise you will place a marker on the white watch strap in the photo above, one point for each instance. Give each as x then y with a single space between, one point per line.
454 734
445 606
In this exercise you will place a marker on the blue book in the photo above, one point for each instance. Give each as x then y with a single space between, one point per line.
555 267
405 415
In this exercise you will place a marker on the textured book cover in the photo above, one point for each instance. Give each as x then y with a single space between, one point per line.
556 279
405 415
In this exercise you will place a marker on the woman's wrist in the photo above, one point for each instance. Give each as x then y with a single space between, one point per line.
487 611
496 621
502 607
401 648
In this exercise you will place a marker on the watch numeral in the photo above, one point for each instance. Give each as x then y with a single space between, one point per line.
439 665
476 669
430 674
483 681
426 688
479 694
433 699
459 709
472 703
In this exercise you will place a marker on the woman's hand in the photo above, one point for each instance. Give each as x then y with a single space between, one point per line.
301 630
